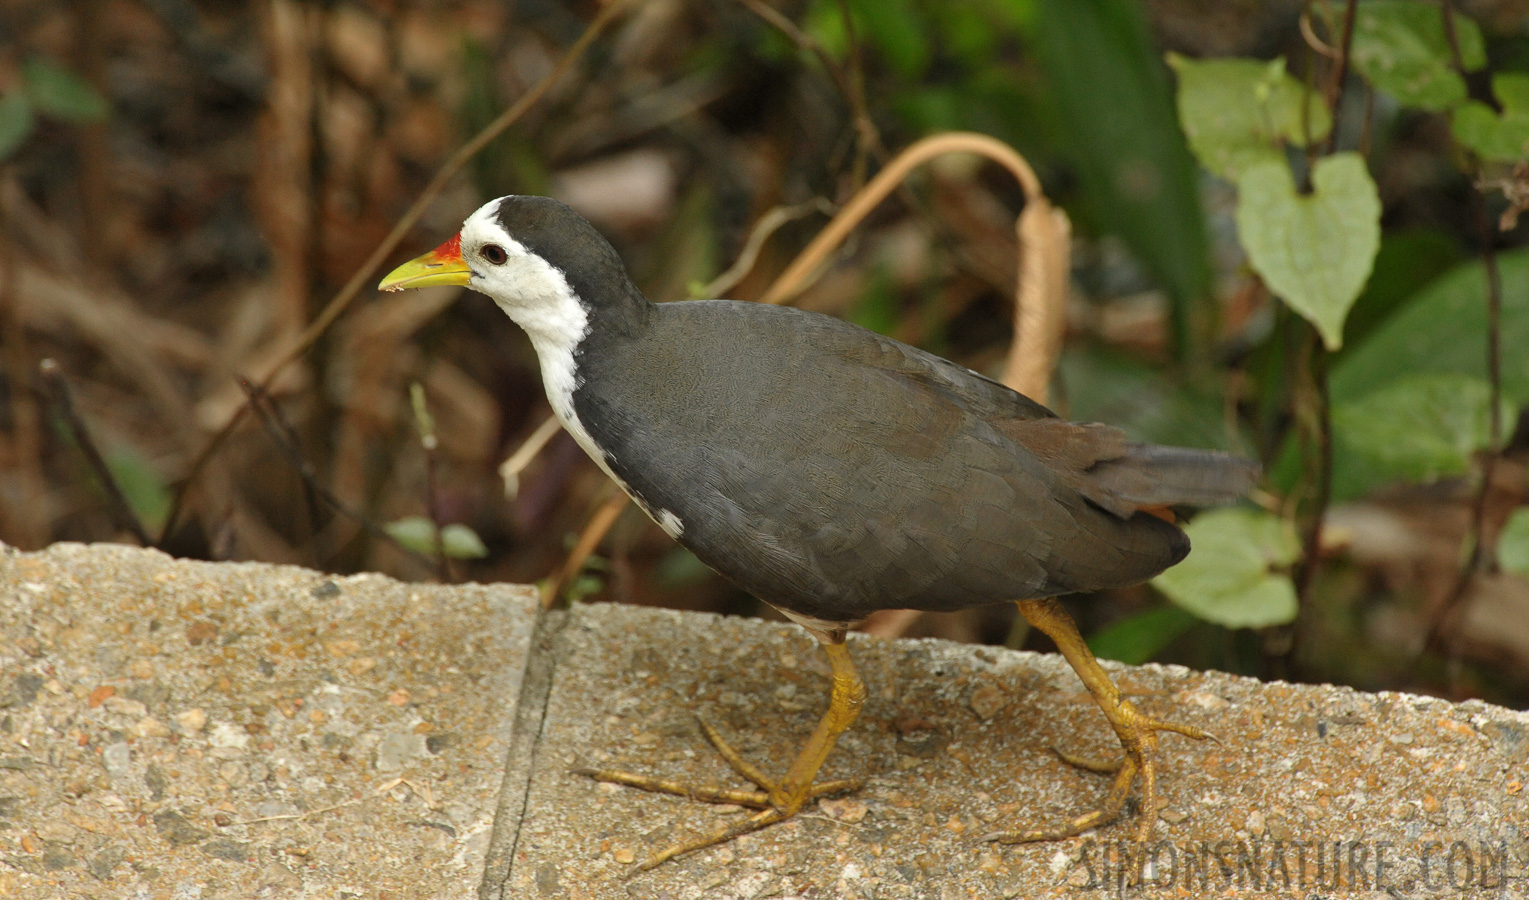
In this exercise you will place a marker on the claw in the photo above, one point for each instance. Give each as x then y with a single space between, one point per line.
1137 733
776 799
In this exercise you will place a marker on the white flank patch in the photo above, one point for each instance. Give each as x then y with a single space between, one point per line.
670 523
814 624
536 296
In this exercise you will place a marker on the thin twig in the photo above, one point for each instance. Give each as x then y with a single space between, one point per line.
269 416
1334 91
768 224
1310 36
56 388
1367 127
29 516
423 791
310 496
1311 540
510 469
1483 554
867 139
363 275
424 423
851 84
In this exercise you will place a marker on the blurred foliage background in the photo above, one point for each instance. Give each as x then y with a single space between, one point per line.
185 185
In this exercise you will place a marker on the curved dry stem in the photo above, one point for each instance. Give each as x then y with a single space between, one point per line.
1043 231
1309 34
1040 308
795 279
768 224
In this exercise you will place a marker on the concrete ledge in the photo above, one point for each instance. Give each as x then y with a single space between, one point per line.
184 729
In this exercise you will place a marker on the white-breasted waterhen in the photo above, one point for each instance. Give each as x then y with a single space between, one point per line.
833 472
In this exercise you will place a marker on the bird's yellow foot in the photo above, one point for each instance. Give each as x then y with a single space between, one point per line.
776 799
1137 733
1138 737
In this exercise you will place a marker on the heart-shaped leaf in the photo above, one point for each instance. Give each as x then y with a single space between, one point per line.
1314 250
1234 575
1238 113
1497 138
1402 48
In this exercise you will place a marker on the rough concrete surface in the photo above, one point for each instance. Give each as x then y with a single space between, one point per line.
193 730
189 730
956 742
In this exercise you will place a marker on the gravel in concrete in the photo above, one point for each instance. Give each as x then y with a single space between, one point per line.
188 730
176 729
956 739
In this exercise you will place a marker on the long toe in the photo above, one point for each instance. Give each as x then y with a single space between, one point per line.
1138 739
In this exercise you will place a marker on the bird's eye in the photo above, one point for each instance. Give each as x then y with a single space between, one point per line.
494 254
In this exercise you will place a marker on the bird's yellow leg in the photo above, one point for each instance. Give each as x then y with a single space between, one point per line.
1137 733
777 800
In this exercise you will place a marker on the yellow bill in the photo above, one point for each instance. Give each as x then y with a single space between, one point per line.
443 265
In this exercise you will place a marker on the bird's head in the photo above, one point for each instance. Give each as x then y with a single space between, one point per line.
542 263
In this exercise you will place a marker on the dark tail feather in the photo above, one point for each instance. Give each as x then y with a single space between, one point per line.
1150 475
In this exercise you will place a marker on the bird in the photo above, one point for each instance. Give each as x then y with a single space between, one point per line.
832 472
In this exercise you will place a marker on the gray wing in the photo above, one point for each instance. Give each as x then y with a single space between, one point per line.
834 488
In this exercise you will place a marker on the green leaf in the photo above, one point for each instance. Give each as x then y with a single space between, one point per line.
897 31
1418 429
1408 260
1442 328
1230 576
417 533
893 29
461 542
1401 47
1497 138
1513 545
1315 251
1239 113
1137 639
60 93
15 122
1111 94
141 485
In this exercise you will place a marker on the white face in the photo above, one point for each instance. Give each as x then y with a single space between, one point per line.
536 295
530 290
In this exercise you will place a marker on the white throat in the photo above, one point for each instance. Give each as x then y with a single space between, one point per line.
536 295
